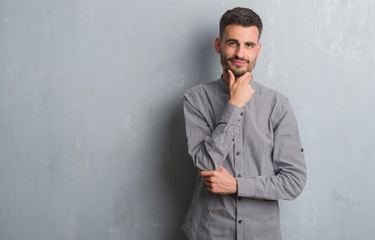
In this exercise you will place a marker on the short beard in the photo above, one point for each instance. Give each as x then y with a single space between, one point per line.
236 73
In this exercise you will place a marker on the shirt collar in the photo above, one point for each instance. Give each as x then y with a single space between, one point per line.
223 84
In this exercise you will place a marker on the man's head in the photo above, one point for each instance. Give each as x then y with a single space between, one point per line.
238 44
244 17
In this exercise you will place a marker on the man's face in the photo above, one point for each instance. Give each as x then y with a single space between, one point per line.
238 49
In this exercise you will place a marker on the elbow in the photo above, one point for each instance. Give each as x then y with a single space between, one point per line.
297 181
203 166
296 187
298 190
203 161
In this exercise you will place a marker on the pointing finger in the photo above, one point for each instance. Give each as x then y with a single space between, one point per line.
231 77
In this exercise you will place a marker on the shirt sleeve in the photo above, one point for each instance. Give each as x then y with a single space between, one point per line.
209 148
288 162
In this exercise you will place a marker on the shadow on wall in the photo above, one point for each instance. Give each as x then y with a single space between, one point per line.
179 172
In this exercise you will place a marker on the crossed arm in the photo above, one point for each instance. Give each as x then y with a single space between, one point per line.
220 181
210 146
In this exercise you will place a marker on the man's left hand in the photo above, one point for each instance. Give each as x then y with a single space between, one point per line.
219 181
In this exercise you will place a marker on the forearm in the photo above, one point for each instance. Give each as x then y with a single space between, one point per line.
212 151
209 147
284 186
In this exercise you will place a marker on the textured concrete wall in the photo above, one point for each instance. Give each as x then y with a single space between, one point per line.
92 141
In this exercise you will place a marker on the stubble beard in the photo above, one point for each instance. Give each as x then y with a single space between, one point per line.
237 71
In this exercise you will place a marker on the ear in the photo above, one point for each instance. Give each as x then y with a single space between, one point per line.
259 48
218 44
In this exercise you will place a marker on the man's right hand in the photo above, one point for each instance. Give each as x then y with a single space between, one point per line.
240 89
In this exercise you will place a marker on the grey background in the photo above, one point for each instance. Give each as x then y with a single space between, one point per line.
92 141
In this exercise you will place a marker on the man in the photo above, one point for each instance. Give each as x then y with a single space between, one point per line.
243 137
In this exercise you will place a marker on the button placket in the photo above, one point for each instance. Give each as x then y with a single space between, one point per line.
239 171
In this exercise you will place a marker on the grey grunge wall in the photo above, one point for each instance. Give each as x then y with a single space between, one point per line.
92 142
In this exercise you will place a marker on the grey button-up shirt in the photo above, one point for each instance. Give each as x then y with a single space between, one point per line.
259 145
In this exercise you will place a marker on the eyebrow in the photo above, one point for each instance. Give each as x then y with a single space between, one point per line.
235 40
231 40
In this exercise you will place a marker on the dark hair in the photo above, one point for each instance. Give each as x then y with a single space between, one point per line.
241 16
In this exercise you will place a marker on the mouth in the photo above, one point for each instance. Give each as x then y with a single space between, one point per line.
239 62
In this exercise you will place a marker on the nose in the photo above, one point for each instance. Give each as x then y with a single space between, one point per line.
240 51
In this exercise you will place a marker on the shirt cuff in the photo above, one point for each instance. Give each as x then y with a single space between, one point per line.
233 114
246 187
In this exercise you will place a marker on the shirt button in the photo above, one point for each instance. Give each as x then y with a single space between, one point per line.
233 140
239 175
239 221
241 114
238 153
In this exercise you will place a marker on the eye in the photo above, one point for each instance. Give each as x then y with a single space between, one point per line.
232 43
250 45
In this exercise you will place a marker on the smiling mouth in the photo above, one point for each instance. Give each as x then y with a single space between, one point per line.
238 62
